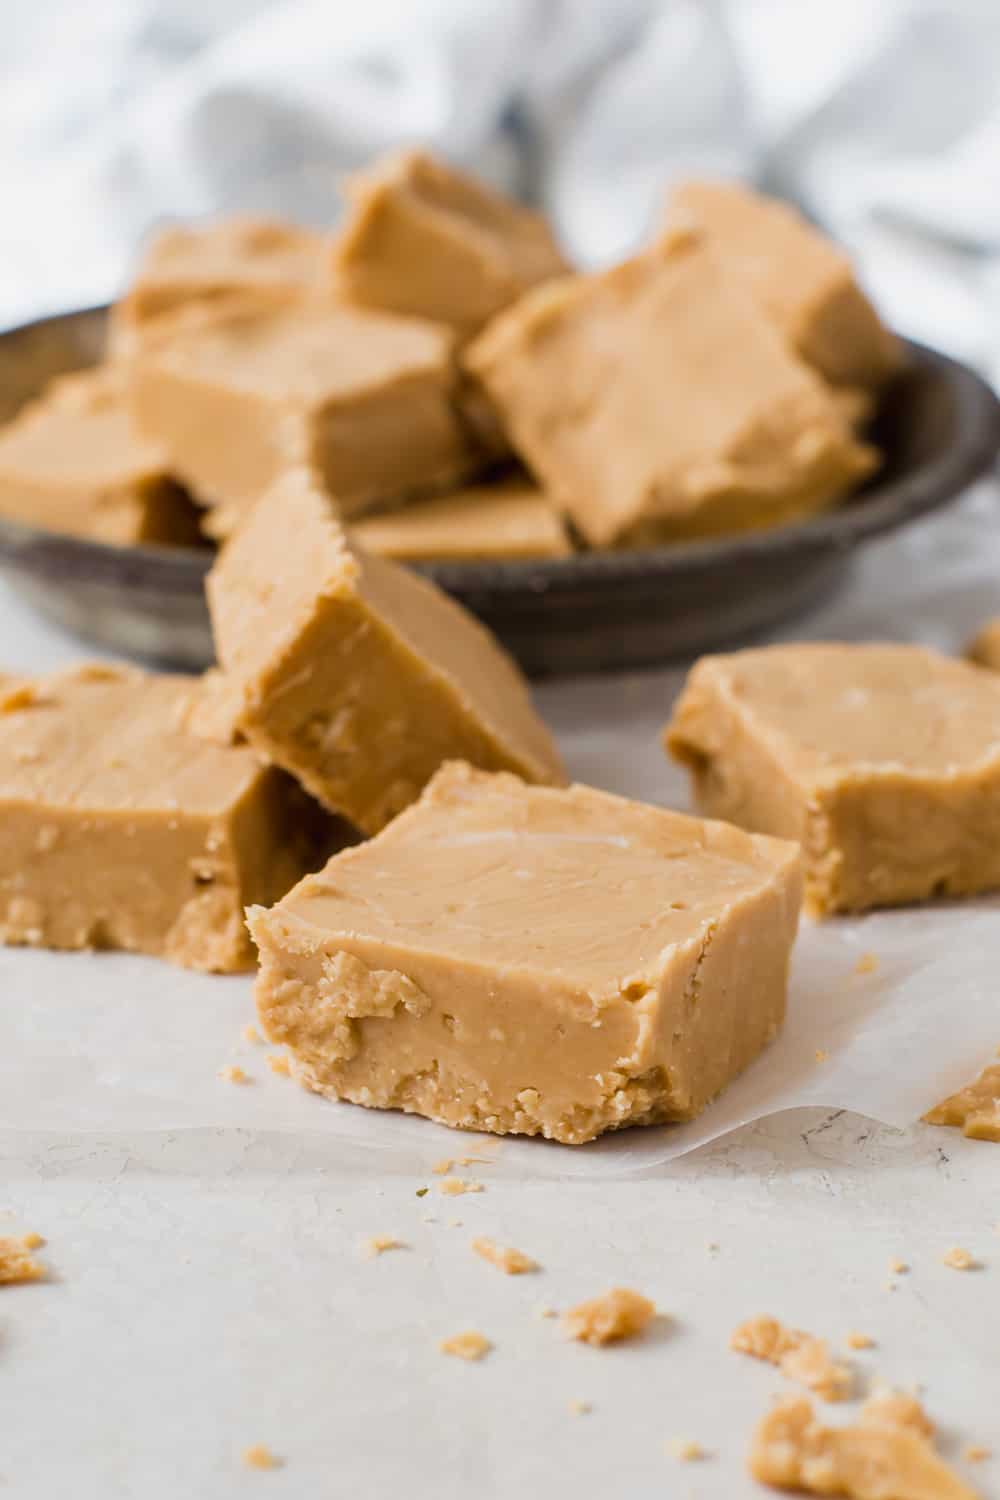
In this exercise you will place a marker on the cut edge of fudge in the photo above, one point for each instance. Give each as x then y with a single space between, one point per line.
984 648
510 518
377 1017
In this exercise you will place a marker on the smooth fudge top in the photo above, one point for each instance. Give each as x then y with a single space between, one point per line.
424 238
801 278
658 392
104 738
832 709
569 881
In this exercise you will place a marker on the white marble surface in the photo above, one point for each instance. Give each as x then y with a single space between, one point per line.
209 1289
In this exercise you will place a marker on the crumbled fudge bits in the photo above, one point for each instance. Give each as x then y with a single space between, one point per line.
984 650
685 1450
866 964
975 1110
546 1312
355 675
798 1355
365 401
233 1074
799 279
17 1264
898 1267
278 1063
260 1457
896 1409
792 1450
444 1166
616 1315
379 1243
505 1258
454 1187
580 1408
598 936
154 840
468 1345
424 239
592 377
72 461
883 760
960 1260
250 1033
976 1453
209 268
32 1240
859 1341
505 520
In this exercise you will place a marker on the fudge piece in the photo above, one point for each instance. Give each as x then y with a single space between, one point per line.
214 267
119 830
975 1110
355 675
509 519
366 400
72 461
984 649
532 960
798 1355
882 760
423 238
657 394
799 278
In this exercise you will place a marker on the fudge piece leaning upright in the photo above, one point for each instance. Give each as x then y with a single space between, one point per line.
984 648
797 276
532 960
72 461
657 399
354 674
367 400
882 760
120 830
425 239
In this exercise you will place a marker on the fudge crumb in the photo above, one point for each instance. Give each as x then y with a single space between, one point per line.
278 1063
32 1241
505 1258
473 1161
234 1074
859 1341
896 1409
959 1259
382 1242
546 1312
17 1264
454 1187
798 1355
712 1246
975 1110
792 1450
250 1033
468 1345
443 1167
821 1056
866 964
261 1457
618 1314
686 1450
976 1453
898 1267
455 1223
580 1408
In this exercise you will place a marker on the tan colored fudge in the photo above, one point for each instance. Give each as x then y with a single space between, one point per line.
882 760
425 239
799 278
984 649
656 396
209 268
366 400
120 830
355 675
72 461
508 519
528 960
975 1110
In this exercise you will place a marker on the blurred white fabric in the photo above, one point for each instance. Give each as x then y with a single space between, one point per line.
884 122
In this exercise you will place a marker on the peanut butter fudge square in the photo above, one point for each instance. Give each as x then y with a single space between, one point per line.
882 760
212 266
657 398
510 518
797 276
984 649
366 400
120 830
355 675
566 962
72 461
425 239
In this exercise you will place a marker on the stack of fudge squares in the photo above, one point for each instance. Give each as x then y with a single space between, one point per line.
456 389
362 785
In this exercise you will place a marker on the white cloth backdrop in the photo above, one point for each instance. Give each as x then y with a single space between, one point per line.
884 120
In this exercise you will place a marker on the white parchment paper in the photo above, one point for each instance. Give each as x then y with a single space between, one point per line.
99 1042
